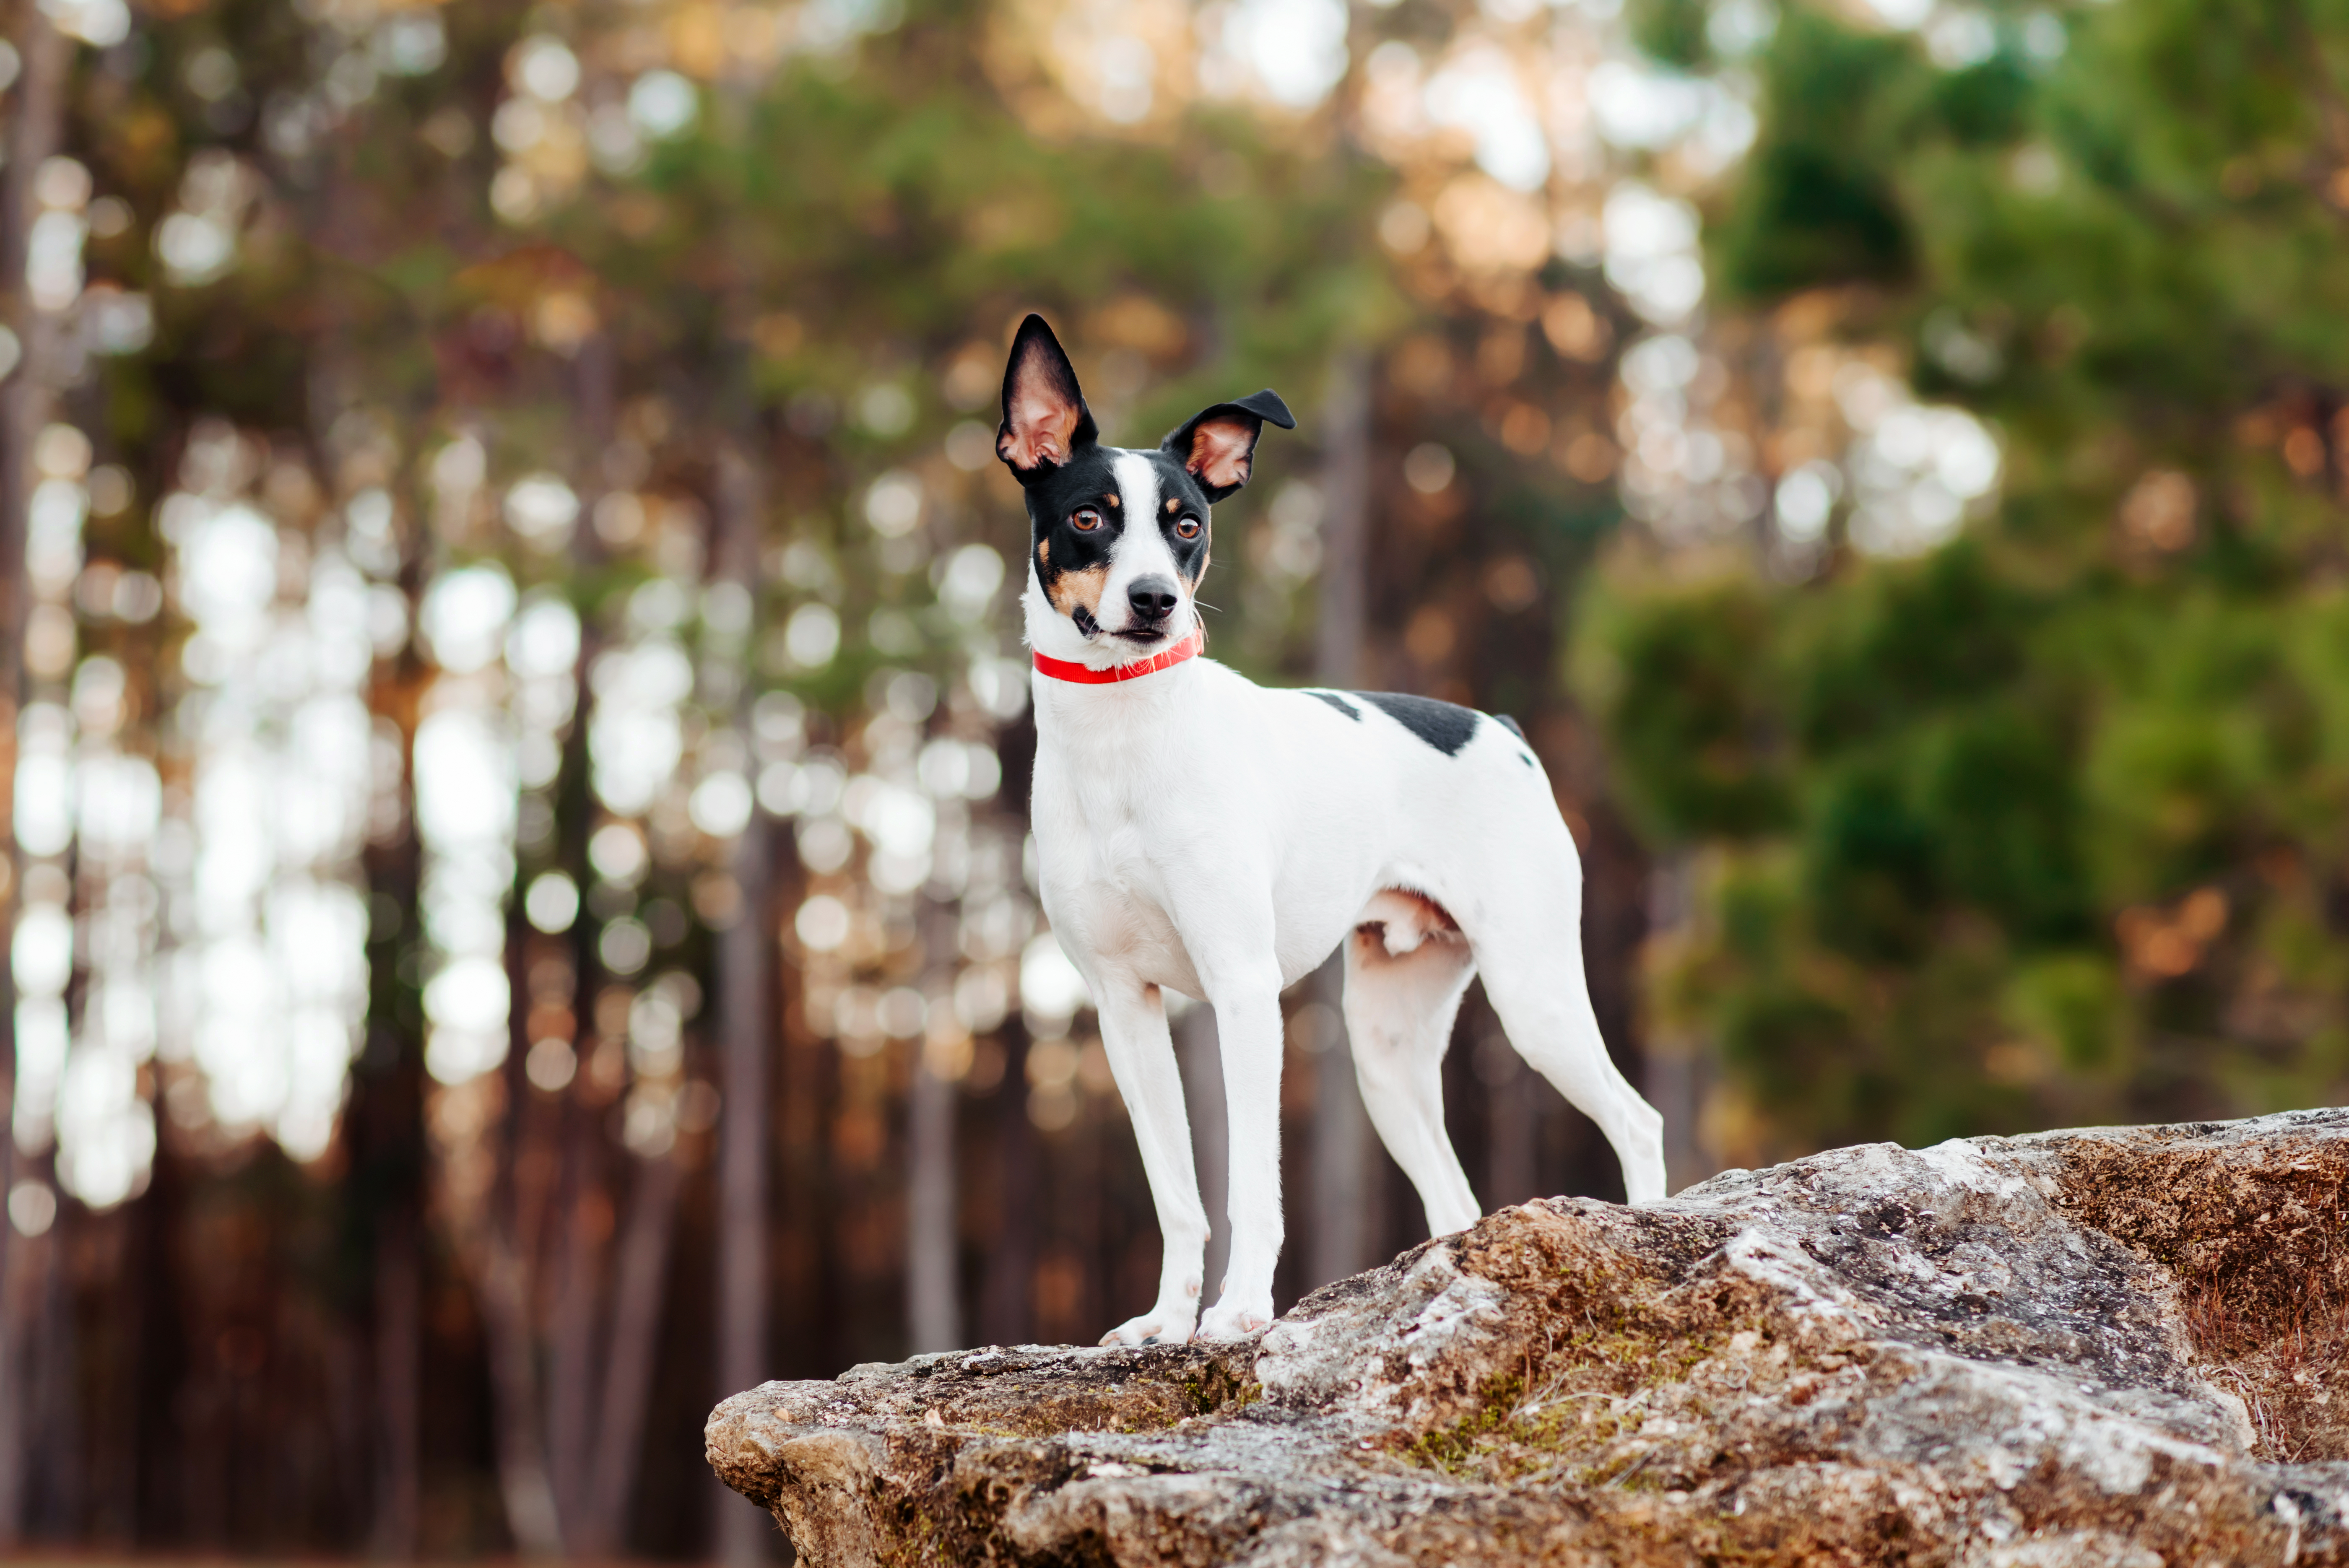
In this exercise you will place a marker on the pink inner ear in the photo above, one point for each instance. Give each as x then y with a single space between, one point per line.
1041 413
1040 424
1221 451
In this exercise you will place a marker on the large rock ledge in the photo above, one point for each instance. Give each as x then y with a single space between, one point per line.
2115 1346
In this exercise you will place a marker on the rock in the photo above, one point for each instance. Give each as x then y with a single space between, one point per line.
2122 1347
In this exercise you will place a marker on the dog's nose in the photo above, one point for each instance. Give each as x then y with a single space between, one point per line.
1153 598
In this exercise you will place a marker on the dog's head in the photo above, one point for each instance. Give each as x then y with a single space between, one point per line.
1119 539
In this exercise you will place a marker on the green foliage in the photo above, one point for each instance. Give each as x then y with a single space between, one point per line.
1812 205
1673 31
2071 1006
2054 820
1680 679
1982 104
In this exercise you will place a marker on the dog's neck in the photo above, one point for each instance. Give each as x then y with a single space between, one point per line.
1059 702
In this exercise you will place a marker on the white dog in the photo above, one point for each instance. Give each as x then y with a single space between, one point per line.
1198 833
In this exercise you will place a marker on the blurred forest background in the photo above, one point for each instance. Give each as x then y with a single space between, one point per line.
518 920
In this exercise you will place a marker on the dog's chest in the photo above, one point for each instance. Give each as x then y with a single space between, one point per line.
1105 862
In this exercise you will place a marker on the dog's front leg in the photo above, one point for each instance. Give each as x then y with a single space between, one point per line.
1249 1030
1141 1058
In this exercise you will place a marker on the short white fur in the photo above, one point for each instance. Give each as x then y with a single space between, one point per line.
1201 834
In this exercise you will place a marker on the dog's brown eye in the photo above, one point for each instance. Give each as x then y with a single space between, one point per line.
1086 520
1186 527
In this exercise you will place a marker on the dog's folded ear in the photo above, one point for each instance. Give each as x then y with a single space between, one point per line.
1044 414
1218 444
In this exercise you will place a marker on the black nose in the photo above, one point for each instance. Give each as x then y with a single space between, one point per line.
1153 598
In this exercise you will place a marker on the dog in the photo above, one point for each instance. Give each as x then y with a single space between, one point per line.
1198 833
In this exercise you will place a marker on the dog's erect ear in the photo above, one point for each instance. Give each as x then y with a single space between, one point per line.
1218 444
1044 415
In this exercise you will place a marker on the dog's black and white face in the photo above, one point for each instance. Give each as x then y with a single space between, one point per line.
1119 539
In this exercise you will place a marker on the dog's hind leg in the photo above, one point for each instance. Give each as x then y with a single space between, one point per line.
1532 962
1399 1010
1141 1059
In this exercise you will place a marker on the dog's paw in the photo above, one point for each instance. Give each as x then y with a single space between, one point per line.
1154 1327
1230 1320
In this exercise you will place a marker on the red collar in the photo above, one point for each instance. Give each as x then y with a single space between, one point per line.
1085 675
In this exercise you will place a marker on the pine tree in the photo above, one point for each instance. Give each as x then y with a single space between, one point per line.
2044 826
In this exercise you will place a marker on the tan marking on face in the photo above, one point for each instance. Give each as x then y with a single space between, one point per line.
1222 451
1111 499
1044 552
1206 556
1072 589
1174 504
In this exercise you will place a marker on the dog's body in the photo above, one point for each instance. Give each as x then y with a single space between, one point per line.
1198 833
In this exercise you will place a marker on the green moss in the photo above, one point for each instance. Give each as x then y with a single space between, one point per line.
1219 1387
1581 1392
1453 1448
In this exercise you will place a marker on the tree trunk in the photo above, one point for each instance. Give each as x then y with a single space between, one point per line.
399 1345
746 1016
500 1228
1347 1191
1621 904
53 1483
933 1237
33 130
502 1284
643 1283
1201 1060
22 1310
584 1224
1345 1210
586 1220
1005 1296
1513 1123
934 1318
1676 1060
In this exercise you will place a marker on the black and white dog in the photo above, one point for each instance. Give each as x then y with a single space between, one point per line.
1198 833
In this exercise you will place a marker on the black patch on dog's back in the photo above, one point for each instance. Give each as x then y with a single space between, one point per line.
1339 703
1505 722
1444 726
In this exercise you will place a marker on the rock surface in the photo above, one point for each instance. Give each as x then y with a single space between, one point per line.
2124 1347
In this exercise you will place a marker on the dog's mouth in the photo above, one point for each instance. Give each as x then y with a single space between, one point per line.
1144 636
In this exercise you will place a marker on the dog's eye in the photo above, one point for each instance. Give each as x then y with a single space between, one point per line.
1086 520
1186 527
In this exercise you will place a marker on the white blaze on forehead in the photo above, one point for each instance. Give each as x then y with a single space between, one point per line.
1137 485
1142 550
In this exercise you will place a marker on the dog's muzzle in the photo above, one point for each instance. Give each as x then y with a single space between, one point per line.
1150 602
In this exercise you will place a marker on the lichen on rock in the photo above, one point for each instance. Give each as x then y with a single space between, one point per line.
2123 1347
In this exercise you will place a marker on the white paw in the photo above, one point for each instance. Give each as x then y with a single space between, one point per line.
1156 1327
1647 1187
1236 1320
